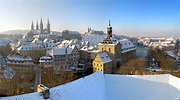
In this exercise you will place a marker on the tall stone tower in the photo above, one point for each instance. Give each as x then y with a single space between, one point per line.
111 46
48 26
32 26
37 27
41 26
88 30
109 30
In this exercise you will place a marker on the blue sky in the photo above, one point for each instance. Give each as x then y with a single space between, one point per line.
128 17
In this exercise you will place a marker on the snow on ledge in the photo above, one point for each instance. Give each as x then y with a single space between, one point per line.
98 86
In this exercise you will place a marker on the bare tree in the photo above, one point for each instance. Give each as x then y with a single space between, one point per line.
133 66
51 79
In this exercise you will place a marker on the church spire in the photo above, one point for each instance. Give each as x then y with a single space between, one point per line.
41 26
48 26
89 29
37 27
32 26
41 21
109 30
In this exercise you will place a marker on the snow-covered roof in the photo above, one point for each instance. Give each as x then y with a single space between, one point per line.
93 40
157 38
37 40
70 42
104 57
85 43
46 59
126 45
63 51
45 31
48 40
18 57
31 46
66 43
87 48
109 41
98 86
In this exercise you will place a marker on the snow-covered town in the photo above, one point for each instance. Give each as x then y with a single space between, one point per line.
41 53
169 46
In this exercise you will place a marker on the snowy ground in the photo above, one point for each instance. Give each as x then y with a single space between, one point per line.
98 86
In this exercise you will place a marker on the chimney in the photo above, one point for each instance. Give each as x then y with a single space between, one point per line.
43 89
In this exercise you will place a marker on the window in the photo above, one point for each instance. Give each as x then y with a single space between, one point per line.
102 49
109 49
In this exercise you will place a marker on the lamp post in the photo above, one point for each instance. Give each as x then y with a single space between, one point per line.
153 62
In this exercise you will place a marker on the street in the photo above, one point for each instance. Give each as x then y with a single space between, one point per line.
37 78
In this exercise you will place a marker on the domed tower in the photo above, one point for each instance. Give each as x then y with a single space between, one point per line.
48 26
41 26
32 26
37 27
109 30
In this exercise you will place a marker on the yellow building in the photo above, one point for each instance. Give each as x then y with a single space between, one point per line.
102 62
112 47
120 51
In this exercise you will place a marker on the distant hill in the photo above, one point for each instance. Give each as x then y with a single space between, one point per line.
15 32
121 36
